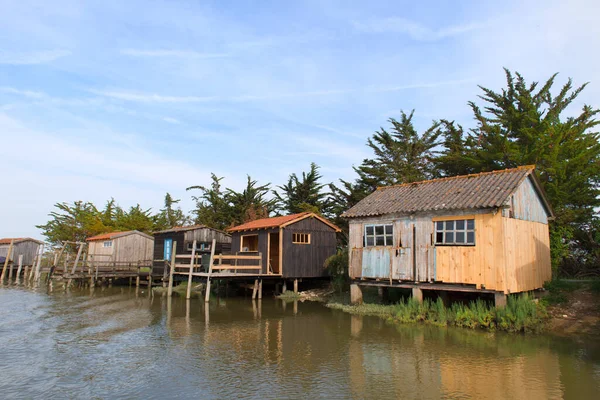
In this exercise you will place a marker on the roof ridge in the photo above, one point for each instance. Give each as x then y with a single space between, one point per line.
449 178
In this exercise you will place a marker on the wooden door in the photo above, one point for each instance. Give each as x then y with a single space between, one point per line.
274 253
402 262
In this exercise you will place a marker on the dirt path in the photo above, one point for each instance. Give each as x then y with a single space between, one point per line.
579 316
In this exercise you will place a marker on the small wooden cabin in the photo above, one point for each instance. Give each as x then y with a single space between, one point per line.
488 231
27 247
293 246
121 247
185 236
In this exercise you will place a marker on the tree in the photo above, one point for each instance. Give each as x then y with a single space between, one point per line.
524 124
169 216
251 203
73 222
212 208
306 194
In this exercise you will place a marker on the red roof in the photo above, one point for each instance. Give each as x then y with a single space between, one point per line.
276 222
104 236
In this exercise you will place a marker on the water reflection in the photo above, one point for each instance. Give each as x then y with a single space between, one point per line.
124 342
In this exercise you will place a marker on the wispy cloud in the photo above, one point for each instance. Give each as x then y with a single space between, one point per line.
171 120
24 93
413 29
171 53
151 97
30 58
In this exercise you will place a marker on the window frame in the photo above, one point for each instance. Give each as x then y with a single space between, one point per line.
242 243
298 236
107 244
387 236
445 230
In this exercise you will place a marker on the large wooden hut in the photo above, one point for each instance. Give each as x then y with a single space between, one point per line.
185 236
292 246
128 247
26 247
485 232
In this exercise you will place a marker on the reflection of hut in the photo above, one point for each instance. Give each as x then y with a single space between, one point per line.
121 247
488 230
294 246
26 247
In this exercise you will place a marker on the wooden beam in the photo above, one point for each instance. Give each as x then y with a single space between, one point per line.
18 277
39 263
8 255
75 263
210 267
172 269
281 251
260 289
190 276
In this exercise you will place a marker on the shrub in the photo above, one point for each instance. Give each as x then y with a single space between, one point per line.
337 267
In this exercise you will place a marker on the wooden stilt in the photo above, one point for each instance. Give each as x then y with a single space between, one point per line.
18 277
255 290
284 287
38 264
8 255
79 251
165 274
260 289
10 271
296 286
190 275
210 268
172 269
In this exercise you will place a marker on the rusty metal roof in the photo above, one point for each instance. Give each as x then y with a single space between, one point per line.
476 191
114 235
18 240
188 228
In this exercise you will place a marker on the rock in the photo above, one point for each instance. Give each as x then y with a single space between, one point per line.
565 316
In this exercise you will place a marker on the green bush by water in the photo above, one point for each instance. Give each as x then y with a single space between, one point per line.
521 313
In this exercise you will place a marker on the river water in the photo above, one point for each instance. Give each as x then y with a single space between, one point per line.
119 343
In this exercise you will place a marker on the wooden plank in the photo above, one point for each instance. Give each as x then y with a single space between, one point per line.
210 268
8 255
190 276
171 270
237 257
18 277
241 267
39 263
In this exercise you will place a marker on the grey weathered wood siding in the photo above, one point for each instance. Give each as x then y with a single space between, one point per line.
307 260
27 248
525 204
130 248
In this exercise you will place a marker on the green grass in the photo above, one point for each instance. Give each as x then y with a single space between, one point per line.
558 290
521 313
290 296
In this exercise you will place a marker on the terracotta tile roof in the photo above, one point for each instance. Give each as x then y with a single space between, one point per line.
186 228
105 236
263 223
484 190
17 240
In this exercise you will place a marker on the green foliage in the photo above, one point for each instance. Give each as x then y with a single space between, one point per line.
170 217
212 208
521 314
337 267
303 194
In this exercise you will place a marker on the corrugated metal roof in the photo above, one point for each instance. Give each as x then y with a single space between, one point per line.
105 236
484 190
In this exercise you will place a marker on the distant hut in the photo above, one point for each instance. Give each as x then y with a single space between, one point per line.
121 247
485 233
27 247
185 236
293 246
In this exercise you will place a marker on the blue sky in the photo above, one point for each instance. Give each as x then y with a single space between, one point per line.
131 99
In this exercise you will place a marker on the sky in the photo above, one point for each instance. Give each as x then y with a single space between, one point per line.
133 99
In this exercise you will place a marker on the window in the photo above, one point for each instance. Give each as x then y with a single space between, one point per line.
301 238
249 243
379 235
199 246
108 243
460 232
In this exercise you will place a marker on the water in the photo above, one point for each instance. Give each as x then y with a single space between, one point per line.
115 343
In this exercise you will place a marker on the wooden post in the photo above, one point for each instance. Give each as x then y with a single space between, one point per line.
38 265
165 273
18 277
137 278
10 271
260 289
190 275
284 289
8 255
500 299
235 263
356 296
255 290
295 286
172 269
210 266
81 245
91 269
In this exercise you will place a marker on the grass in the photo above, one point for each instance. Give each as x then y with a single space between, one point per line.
181 289
290 296
559 289
521 313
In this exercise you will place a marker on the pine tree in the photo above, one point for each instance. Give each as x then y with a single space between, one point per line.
212 208
170 216
305 194
251 203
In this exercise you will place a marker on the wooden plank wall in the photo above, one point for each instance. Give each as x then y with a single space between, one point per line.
133 248
355 245
262 246
402 264
206 236
527 255
525 204
27 248
308 260
475 264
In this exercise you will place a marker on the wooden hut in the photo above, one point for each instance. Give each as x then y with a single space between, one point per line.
292 246
485 232
130 247
26 247
185 236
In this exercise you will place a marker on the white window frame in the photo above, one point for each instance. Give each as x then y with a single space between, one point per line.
199 246
301 238
107 243
242 244
371 232
448 230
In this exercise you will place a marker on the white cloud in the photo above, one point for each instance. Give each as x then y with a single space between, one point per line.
25 93
172 53
151 97
413 29
40 57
